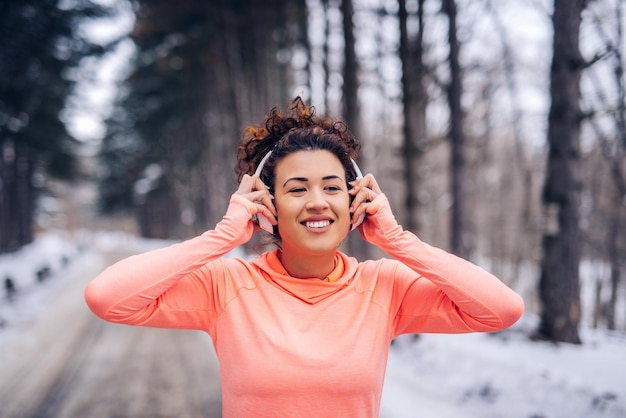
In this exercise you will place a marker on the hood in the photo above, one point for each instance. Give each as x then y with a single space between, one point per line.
309 291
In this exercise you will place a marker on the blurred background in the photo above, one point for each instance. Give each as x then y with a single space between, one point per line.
496 128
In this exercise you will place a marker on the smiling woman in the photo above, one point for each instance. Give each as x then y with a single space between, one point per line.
303 330
313 205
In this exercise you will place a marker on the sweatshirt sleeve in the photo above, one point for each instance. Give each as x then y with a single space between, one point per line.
169 287
437 291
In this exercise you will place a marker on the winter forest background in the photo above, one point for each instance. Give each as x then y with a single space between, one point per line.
496 128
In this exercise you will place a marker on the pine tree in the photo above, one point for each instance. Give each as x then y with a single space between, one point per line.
39 46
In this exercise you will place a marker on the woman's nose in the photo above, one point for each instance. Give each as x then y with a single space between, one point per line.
317 200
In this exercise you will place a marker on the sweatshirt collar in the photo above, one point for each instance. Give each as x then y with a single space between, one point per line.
307 290
274 262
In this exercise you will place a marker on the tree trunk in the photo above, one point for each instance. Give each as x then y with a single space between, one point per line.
8 241
157 212
357 246
350 70
325 55
4 194
414 104
619 178
559 287
17 196
615 262
457 138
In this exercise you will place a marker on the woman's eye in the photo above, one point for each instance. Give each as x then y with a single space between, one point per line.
333 188
298 190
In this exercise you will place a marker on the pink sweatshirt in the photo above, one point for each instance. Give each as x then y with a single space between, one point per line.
295 347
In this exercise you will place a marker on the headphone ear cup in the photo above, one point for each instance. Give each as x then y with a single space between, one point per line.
265 224
358 222
359 175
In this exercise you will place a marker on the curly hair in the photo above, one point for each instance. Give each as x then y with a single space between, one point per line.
294 129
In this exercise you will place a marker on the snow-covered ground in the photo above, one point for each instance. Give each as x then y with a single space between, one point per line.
433 376
507 375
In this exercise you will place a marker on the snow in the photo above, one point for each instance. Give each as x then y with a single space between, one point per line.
507 375
469 375
30 272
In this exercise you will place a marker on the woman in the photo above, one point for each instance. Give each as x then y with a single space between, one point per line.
303 330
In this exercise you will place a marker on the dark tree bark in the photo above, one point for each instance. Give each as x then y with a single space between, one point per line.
325 52
457 137
618 175
17 196
559 287
350 71
157 212
414 103
357 246
34 86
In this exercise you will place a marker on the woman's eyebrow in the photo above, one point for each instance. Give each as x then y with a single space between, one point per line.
304 179
295 179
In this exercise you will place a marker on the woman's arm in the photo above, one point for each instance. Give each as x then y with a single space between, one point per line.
133 290
458 295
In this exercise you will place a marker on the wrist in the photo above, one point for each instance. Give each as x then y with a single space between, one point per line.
238 201
236 225
380 224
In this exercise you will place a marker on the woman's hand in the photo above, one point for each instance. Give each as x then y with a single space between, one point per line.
363 190
379 227
253 189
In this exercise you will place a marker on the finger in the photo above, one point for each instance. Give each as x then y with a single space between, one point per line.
245 185
250 183
258 183
359 214
267 202
368 182
255 195
363 195
268 214
371 183
262 198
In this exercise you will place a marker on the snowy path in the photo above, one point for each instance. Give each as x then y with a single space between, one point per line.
63 362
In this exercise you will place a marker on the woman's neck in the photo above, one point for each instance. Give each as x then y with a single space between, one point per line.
308 266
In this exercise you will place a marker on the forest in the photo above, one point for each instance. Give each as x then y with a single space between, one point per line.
496 128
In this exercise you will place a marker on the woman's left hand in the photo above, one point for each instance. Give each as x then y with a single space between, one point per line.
363 190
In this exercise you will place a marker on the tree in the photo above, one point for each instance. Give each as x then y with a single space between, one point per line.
350 70
358 247
202 70
605 231
457 136
616 241
414 102
559 287
40 47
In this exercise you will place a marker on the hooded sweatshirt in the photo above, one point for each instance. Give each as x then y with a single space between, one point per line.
294 347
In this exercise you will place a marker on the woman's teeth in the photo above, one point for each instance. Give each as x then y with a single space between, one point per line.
317 224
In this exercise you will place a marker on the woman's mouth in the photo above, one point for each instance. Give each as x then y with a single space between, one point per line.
317 224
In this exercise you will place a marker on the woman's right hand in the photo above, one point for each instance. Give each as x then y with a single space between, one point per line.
253 189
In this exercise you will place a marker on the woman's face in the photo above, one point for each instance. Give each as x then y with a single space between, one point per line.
312 202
